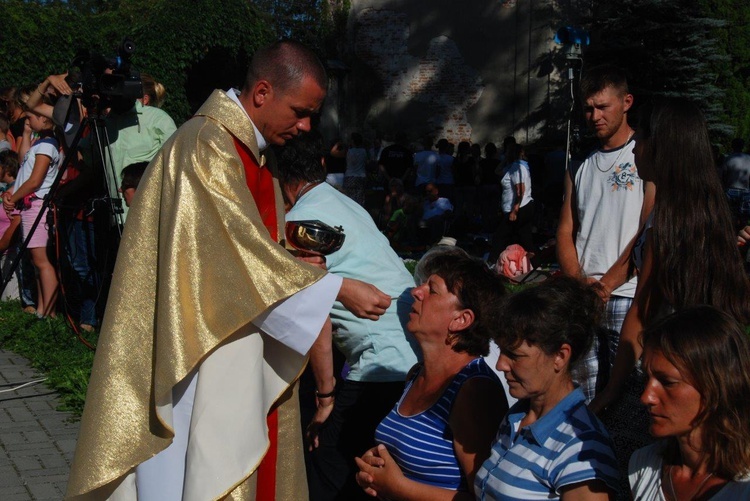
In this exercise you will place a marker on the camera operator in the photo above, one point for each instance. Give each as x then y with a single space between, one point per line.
154 93
135 132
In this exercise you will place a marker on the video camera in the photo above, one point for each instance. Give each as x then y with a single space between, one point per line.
105 80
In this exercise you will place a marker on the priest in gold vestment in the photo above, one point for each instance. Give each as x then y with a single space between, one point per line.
209 319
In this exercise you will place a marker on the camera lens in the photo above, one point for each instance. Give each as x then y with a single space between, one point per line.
128 47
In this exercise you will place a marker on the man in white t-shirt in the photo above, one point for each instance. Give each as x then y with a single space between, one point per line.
605 203
425 165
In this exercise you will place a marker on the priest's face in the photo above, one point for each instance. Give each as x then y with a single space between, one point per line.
286 113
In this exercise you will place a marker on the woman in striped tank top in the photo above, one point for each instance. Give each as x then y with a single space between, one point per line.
439 432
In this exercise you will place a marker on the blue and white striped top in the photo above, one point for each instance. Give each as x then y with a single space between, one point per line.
422 444
566 446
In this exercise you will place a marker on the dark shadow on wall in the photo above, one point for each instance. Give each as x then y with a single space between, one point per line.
434 88
561 101
366 86
424 114
502 108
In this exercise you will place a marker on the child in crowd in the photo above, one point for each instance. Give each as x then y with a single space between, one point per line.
9 223
35 178
403 226
8 170
395 198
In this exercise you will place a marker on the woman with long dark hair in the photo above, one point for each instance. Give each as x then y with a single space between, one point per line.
692 239
686 255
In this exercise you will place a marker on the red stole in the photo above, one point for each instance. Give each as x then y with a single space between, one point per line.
260 183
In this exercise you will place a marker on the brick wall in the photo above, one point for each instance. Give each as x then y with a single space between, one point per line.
440 77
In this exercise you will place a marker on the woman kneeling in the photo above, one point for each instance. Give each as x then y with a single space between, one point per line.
440 431
549 446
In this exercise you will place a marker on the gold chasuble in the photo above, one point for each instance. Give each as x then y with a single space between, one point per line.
195 266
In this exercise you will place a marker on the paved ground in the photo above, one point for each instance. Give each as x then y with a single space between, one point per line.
36 441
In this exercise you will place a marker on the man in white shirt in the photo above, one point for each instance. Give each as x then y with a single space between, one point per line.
604 206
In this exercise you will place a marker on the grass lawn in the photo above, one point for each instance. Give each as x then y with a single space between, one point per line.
52 347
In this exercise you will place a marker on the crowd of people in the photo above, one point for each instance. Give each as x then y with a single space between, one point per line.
422 190
625 376
645 219
420 195
73 224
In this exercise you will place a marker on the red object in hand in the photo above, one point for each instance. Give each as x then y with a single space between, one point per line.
513 261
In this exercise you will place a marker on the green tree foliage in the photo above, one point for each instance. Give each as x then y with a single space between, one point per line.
38 40
734 42
172 37
191 48
320 24
174 40
668 47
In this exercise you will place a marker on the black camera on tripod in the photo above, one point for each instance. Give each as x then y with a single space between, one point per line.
105 81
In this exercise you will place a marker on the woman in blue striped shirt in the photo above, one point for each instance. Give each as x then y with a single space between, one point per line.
550 445
440 431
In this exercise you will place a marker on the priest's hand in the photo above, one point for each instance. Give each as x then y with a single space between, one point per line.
363 299
315 260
